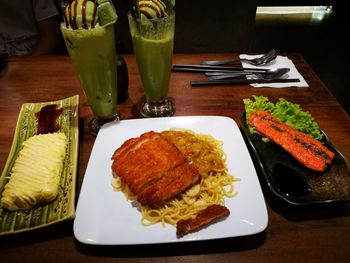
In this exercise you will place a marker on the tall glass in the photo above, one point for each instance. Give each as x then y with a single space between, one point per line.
153 42
93 55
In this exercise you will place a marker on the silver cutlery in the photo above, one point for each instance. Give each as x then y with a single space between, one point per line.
274 73
259 61
220 82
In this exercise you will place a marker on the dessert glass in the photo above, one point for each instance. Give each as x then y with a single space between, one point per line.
92 52
153 42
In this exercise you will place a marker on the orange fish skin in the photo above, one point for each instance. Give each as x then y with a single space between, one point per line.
303 147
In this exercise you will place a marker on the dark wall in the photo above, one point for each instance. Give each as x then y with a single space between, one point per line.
202 26
214 26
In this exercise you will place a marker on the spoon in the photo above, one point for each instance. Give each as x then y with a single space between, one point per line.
268 74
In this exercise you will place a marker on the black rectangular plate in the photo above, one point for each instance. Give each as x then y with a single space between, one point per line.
293 182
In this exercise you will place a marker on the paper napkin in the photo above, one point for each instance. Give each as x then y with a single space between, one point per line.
279 62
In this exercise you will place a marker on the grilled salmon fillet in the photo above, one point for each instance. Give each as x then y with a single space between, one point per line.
153 168
203 218
303 147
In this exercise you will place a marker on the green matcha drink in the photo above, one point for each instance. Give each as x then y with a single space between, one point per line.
152 30
93 55
88 31
154 51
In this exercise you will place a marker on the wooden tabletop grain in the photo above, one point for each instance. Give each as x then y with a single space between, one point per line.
307 234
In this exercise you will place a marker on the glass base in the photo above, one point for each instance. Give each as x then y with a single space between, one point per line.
95 124
163 108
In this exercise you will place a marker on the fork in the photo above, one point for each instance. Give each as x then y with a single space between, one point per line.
259 61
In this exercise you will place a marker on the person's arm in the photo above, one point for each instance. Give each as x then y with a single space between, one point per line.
50 39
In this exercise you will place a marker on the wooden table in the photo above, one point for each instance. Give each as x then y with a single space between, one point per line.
313 234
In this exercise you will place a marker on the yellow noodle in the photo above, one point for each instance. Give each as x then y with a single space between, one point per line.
206 153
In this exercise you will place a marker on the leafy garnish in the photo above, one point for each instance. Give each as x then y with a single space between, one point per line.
288 112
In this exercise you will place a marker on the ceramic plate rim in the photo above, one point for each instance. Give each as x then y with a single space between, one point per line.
98 222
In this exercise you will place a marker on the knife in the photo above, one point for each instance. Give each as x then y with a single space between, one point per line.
219 82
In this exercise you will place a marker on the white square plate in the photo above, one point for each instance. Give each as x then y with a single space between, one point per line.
105 217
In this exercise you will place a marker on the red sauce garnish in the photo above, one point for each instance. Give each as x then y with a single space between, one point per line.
47 119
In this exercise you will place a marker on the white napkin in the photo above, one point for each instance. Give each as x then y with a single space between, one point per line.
279 62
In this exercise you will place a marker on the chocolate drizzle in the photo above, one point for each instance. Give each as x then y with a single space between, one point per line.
94 17
156 6
83 10
73 15
71 11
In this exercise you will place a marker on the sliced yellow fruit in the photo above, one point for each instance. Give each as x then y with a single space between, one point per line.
35 175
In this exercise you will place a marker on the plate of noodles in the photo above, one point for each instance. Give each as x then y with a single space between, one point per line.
108 215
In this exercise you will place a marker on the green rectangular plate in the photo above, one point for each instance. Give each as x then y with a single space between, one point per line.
63 207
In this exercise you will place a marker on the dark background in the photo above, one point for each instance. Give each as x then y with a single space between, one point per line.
232 26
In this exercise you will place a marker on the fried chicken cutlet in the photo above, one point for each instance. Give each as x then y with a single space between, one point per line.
203 218
153 168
